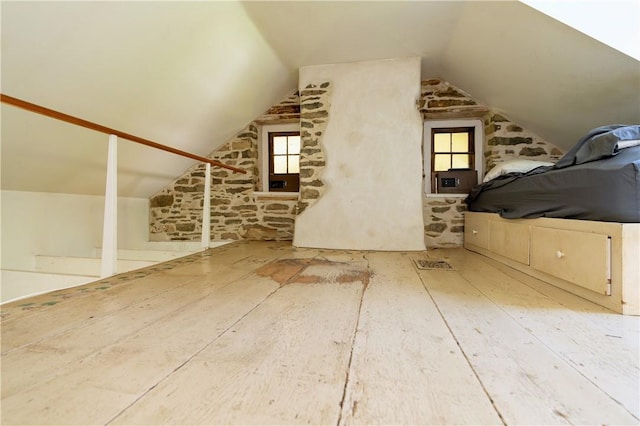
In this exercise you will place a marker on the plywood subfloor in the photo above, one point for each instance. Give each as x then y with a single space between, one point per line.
263 333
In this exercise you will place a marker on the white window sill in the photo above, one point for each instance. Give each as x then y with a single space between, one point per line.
444 195
265 194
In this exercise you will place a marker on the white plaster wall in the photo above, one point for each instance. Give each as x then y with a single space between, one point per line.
63 225
373 172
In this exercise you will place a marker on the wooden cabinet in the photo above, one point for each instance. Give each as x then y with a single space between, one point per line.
510 239
599 261
582 258
476 231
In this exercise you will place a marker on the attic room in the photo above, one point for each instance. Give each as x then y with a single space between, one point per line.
320 212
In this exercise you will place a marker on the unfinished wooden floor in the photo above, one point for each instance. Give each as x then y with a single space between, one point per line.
263 333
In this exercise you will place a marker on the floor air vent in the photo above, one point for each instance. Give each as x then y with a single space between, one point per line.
432 264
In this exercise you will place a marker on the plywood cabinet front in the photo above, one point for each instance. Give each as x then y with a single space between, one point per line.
595 260
476 230
510 240
582 258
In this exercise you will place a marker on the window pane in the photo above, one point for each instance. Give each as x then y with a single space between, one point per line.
460 161
442 142
294 164
294 145
442 162
280 164
279 145
460 142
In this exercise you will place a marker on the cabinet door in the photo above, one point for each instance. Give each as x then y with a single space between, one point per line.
581 258
510 240
476 230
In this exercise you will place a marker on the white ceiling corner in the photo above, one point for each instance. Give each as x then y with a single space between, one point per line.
191 74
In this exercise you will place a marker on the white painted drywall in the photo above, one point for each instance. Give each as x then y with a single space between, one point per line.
373 172
63 225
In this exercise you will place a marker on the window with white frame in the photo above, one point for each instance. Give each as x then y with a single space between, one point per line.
280 157
452 148
450 145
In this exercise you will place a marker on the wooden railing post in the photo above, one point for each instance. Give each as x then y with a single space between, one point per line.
109 264
206 208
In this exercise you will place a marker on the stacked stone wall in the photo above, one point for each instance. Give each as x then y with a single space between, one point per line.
286 110
314 114
505 140
444 221
440 98
237 212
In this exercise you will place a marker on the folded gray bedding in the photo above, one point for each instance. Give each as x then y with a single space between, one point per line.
595 180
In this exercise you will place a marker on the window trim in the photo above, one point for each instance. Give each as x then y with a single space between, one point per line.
429 125
288 177
470 147
263 152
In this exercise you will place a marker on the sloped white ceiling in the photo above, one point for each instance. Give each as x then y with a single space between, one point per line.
544 75
188 75
191 74
315 33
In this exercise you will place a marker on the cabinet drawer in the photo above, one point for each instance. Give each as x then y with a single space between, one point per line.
510 240
581 258
476 230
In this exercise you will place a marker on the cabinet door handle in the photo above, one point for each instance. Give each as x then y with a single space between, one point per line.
474 232
559 254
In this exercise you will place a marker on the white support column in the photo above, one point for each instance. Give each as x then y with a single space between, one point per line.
206 208
110 224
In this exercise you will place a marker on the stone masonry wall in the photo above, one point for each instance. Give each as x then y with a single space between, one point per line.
444 221
504 140
175 213
237 212
287 109
314 113
440 99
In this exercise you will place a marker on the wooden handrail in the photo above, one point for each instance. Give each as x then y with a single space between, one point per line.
97 127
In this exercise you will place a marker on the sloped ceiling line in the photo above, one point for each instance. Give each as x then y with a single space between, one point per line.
194 73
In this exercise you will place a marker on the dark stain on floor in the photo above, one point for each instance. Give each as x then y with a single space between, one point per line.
314 271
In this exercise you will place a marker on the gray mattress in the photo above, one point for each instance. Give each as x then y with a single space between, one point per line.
598 185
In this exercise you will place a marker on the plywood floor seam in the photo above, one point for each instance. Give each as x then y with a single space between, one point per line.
264 333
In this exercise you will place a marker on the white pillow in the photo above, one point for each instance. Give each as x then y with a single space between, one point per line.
521 166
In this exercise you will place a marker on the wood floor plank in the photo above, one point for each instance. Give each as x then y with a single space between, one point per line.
406 367
134 364
528 382
70 312
284 363
587 311
610 361
265 333
36 326
34 363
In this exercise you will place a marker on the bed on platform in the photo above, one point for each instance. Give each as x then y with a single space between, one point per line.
598 179
574 224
